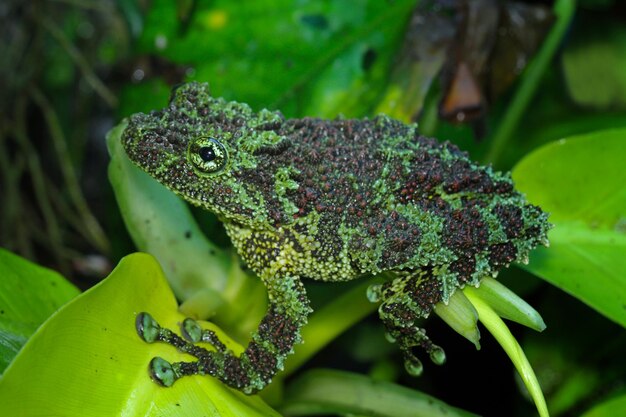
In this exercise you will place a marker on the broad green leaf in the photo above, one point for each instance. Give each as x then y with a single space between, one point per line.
581 182
331 56
355 70
322 392
88 360
610 408
29 294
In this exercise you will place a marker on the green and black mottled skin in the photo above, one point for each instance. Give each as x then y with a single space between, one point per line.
329 200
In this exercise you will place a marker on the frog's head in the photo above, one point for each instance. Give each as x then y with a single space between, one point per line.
207 150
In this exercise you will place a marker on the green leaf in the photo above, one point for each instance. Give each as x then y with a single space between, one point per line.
321 392
610 408
88 359
581 182
353 73
332 56
29 294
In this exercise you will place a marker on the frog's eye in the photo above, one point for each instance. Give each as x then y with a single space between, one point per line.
207 155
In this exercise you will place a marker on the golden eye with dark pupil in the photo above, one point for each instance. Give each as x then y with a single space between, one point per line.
207 155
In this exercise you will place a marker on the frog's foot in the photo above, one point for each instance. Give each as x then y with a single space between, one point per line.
407 298
163 372
258 363
250 372
413 338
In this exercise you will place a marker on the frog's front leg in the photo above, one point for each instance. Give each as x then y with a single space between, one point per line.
250 372
405 299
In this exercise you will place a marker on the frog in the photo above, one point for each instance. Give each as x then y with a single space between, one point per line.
329 200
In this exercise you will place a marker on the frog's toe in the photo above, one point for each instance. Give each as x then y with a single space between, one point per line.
162 372
412 340
191 330
419 342
147 327
412 364
437 355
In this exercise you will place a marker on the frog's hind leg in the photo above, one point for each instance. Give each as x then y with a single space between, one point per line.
250 372
410 296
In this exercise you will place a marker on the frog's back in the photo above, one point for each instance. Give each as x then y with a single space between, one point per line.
374 195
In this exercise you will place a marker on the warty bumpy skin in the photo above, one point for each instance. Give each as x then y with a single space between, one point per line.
332 200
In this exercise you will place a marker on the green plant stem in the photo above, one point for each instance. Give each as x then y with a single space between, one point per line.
529 81
501 333
332 320
89 228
